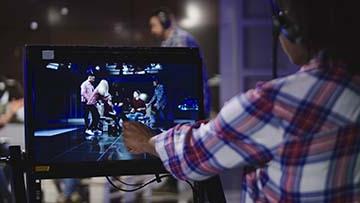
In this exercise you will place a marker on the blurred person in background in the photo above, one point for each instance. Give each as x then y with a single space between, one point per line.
11 110
71 190
11 101
164 26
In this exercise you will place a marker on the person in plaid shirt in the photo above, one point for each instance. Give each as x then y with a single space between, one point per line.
300 133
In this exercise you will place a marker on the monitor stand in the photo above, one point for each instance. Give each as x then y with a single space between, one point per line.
209 190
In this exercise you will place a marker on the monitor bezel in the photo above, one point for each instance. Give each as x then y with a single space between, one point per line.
107 168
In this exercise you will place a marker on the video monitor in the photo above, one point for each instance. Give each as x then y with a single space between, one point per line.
77 99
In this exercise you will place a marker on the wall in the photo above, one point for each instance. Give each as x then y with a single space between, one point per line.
245 57
104 23
246 45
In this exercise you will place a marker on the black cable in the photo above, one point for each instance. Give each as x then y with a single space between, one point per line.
135 189
274 52
275 37
128 184
140 186
191 185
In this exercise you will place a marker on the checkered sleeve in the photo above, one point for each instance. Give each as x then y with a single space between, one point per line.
245 133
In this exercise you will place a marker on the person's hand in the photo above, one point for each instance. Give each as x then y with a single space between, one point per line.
136 138
111 104
13 107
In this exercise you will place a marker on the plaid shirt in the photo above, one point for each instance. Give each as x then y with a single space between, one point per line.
180 38
301 133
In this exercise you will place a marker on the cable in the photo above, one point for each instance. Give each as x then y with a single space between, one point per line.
275 39
191 185
140 186
128 184
135 189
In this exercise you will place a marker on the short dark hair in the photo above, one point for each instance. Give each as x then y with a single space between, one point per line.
90 72
155 79
328 26
165 16
13 86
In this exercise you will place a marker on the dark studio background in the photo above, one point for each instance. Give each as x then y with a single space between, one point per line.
103 23
235 37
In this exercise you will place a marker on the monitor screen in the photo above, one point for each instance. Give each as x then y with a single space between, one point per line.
78 98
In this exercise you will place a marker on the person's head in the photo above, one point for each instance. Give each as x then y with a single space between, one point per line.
103 88
91 78
160 21
91 75
155 81
13 87
143 96
327 27
136 94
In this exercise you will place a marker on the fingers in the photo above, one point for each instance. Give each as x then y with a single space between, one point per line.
134 151
125 124
130 125
138 125
131 130
136 136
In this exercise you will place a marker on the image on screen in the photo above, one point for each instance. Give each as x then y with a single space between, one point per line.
79 106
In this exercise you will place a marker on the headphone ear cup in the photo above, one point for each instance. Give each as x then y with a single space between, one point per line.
167 24
292 33
164 20
289 30
284 26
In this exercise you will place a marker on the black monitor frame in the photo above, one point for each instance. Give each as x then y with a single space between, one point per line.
131 54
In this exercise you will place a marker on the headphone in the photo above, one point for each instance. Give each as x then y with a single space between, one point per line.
283 25
164 17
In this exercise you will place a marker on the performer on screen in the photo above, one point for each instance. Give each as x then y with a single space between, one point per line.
100 94
87 90
138 105
159 101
